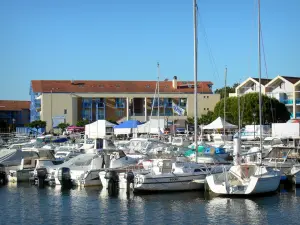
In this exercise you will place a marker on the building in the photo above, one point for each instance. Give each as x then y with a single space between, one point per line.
14 113
56 101
285 89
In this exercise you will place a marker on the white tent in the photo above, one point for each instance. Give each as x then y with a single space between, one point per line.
219 123
151 126
99 129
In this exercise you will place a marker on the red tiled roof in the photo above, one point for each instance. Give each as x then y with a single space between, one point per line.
85 86
10 105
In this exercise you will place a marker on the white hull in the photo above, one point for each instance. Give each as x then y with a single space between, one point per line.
169 182
295 172
89 179
20 176
255 184
122 180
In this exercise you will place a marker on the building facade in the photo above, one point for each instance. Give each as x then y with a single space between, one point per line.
70 101
284 89
14 114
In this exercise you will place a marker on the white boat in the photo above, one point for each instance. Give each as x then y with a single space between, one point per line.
171 176
244 179
295 173
83 170
19 164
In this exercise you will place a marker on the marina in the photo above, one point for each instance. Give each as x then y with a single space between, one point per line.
169 150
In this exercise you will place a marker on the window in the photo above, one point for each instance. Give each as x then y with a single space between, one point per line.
65 111
147 86
101 114
207 96
207 108
204 108
120 103
182 102
119 113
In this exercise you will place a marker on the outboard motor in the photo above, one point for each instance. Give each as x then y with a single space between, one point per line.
64 177
130 180
113 182
41 176
3 176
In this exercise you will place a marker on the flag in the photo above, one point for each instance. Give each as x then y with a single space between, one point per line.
177 109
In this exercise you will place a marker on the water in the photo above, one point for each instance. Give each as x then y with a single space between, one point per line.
30 205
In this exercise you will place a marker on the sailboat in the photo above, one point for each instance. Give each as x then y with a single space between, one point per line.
167 175
246 179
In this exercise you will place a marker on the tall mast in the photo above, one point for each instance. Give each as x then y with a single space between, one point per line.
195 80
225 102
158 111
259 73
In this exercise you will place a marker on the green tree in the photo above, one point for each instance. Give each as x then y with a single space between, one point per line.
272 110
229 89
203 120
82 123
206 118
63 126
38 124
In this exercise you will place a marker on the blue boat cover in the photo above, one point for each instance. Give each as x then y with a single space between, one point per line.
129 124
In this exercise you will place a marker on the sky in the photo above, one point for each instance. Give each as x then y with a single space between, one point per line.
124 40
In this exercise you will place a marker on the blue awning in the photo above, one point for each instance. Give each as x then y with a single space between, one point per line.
128 124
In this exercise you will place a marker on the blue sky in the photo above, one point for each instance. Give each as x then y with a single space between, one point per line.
123 40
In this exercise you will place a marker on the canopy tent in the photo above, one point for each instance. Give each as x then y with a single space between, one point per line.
219 123
99 129
151 126
126 127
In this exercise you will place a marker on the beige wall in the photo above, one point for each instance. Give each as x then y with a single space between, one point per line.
54 105
206 102
61 101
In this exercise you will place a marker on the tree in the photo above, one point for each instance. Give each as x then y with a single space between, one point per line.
38 124
272 110
206 118
82 123
203 120
63 126
229 89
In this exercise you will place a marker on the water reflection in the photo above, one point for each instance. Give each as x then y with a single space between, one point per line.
25 204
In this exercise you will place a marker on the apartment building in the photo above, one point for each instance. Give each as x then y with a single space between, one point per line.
56 101
284 88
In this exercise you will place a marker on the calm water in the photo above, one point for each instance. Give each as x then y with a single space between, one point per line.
31 205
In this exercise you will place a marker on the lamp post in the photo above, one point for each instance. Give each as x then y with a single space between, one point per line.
254 116
13 121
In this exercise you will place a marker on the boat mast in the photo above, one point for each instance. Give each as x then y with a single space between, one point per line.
225 103
260 96
195 80
158 111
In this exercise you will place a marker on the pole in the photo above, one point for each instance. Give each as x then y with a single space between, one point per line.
239 108
195 80
225 103
158 111
259 73
51 109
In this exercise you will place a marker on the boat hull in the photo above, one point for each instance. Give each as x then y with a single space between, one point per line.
256 185
169 182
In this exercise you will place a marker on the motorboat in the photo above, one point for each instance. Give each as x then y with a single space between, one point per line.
19 164
180 141
171 176
84 169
